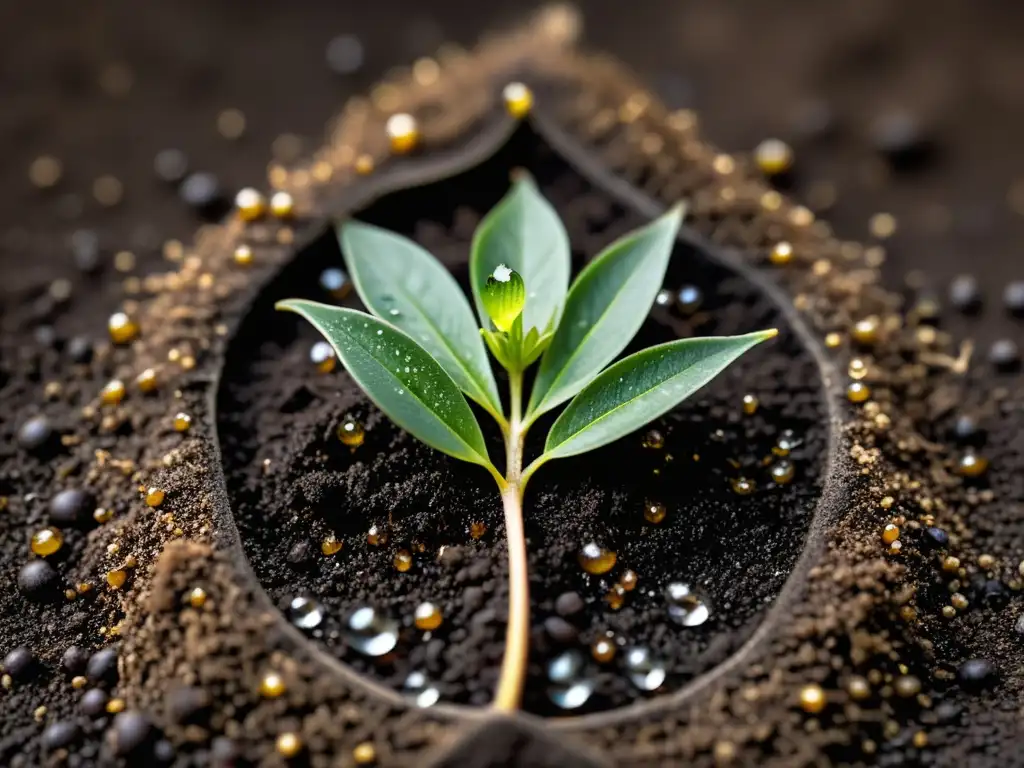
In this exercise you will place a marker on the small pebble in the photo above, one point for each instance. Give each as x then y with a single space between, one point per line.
344 54
1013 298
102 667
38 580
301 552
85 250
568 604
72 506
36 434
560 630
74 660
60 734
79 350
976 674
964 293
900 138
133 732
202 192
937 537
187 704
966 430
1004 354
94 702
19 663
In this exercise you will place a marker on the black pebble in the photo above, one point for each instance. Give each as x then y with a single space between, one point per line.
72 506
964 293
568 604
947 712
936 537
901 139
133 732
74 660
85 250
967 431
170 165
45 336
79 350
36 434
1019 626
1004 354
301 552
19 663
163 752
991 593
976 673
202 192
37 580
94 702
560 630
1013 297
344 54
102 667
187 704
60 734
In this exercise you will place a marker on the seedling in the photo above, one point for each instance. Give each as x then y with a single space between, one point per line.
420 353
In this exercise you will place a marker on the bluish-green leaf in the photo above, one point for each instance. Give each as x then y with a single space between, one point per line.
402 283
524 232
641 388
606 306
401 377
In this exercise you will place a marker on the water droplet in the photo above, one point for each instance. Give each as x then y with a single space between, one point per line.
371 633
570 687
380 331
787 442
685 606
394 311
420 690
646 673
305 612
595 559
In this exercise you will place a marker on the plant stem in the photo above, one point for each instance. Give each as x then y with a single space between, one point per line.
517 635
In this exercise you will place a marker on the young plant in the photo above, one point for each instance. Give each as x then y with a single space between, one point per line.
420 353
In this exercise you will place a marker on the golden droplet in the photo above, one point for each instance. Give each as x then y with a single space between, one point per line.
654 512
376 536
833 340
951 564
948 611
117 578
858 392
282 205
781 253
115 705
231 123
351 433
47 541
773 157
628 580
906 686
616 597
743 486
197 597
887 502
750 404
654 440
250 204
124 261
783 472
603 650
890 533
365 753
288 744
113 392
866 331
108 190
882 225
908 613
812 699
403 133
45 171
858 688
477 530
154 497
403 560
920 740
331 545
78 682
122 328
518 99
182 422
146 381
272 685
972 464
243 255
857 369
958 601
322 355
427 617
595 559
364 165
101 515
986 562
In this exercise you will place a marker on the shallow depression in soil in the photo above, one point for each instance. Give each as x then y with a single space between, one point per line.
693 512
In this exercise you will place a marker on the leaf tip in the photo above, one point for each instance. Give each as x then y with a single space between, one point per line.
521 177
770 333
286 305
678 212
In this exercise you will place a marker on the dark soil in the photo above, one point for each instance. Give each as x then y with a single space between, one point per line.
293 482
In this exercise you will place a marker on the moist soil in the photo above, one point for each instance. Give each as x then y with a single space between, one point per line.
293 483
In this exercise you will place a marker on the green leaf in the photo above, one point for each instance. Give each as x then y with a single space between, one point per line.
402 283
401 377
607 304
524 232
641 388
